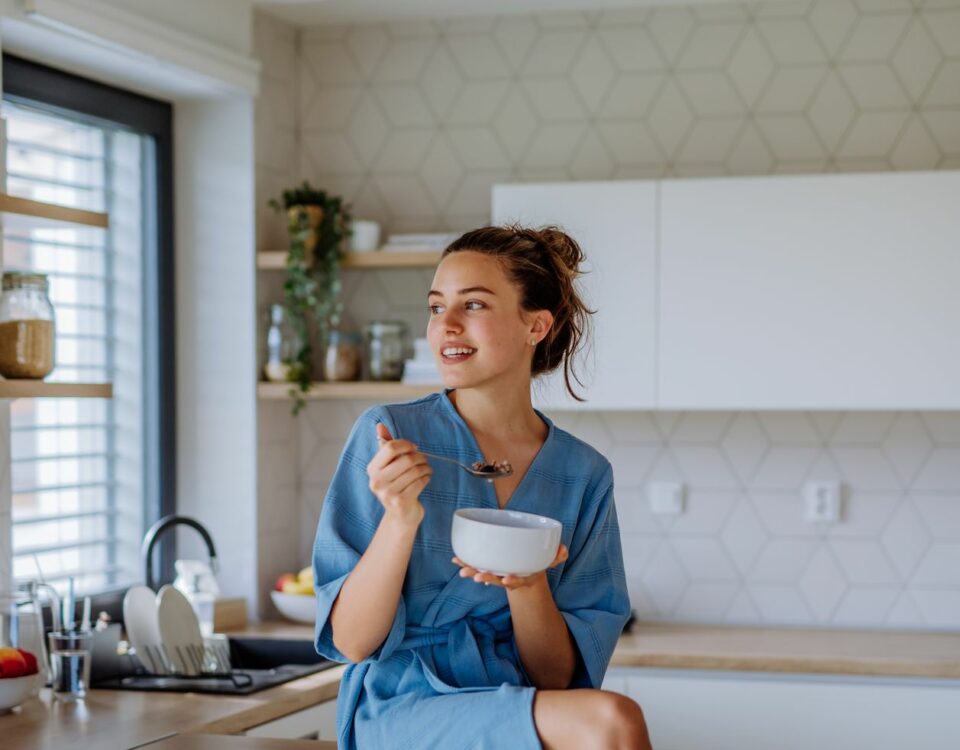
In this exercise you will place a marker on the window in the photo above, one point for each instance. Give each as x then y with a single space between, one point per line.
89 475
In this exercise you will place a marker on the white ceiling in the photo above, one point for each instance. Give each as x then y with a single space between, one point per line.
314 12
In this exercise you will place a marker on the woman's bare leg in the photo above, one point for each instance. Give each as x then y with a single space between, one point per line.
587 719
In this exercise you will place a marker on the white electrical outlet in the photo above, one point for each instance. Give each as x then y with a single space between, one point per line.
822 502
666 498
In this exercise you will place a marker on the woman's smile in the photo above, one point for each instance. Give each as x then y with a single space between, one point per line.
454 353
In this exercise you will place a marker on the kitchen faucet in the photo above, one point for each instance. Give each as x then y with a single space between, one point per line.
146 551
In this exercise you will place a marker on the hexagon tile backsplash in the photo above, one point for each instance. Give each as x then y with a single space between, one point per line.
741 551
414 122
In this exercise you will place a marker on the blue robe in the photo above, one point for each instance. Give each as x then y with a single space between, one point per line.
449 673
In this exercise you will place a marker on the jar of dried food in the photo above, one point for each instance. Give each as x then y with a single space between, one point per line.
26 326
341 359
385 349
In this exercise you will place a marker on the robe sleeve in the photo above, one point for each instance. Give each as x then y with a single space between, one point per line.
348 520
592 592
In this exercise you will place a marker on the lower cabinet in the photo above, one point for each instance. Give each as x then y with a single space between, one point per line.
736 710
315 723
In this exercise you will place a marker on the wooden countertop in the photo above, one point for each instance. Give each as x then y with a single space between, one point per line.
801 650
127 718
130 718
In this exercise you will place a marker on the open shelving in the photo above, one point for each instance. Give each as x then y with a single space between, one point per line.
11 205
276 260
348 390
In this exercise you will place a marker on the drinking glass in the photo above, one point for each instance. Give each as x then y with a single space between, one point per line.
70 664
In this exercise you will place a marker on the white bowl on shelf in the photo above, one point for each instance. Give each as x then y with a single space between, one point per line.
505 542
296 607
15 690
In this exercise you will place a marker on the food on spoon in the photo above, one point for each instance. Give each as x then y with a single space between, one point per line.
496 467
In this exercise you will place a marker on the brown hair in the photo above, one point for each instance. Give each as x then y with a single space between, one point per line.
543 263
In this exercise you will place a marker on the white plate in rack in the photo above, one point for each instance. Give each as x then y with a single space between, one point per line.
143 629
180 631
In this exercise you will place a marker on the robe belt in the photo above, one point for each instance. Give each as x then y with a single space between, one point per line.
461 632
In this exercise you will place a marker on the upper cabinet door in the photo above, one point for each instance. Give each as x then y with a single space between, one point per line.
811 292
615 224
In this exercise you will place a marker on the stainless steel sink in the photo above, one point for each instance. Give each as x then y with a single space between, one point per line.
256 664
268 653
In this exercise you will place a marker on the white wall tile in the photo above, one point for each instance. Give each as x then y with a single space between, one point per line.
865 468
743 536
905 539
704 559
705 512
780 604
940 566
940 608
862 606
941 472
940 513
784 468
864 562
782 560
822 585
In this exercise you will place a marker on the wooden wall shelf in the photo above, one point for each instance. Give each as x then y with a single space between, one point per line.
11 204
276 260
41 389
360 390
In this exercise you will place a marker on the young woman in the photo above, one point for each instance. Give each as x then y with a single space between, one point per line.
442 655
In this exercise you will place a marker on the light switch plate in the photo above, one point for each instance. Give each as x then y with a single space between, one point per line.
822 501
666 498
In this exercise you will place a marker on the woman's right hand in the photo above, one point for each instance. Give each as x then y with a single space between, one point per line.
398 474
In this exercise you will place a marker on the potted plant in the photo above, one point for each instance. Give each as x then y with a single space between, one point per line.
317 224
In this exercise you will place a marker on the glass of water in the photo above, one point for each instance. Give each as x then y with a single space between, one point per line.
70 664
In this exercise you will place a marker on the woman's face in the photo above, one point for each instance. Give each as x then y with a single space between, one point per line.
478 332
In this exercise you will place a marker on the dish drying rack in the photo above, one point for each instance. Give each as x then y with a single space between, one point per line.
179 663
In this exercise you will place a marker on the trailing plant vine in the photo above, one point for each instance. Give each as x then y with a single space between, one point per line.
317 225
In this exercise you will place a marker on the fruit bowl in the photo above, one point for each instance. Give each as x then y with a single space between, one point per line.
505 542
296 607
15 690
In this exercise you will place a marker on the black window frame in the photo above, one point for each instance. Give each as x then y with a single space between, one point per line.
38 85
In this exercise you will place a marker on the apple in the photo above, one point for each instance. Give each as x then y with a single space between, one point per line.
283 580
12 663
31 661
305 575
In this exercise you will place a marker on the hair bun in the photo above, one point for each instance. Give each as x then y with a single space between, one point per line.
562 246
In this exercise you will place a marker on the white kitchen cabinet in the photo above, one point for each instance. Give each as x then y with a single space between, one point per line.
735 710
810 292
615 224
318 722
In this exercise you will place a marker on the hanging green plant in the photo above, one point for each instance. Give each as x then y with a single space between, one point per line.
317 225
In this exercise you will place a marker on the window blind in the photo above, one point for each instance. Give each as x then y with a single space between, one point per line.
78 465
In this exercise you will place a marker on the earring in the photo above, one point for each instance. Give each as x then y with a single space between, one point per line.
533 342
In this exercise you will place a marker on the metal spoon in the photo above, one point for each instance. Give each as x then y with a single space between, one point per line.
488 475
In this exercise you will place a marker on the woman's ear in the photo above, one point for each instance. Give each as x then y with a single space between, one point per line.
542 321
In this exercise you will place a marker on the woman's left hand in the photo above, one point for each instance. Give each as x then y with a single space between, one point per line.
510 582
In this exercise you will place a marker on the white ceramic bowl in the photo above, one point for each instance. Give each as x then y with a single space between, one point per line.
296 607
15 690
504 542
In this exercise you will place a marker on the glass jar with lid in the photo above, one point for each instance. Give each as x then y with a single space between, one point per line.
385 349
341 359
26 326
